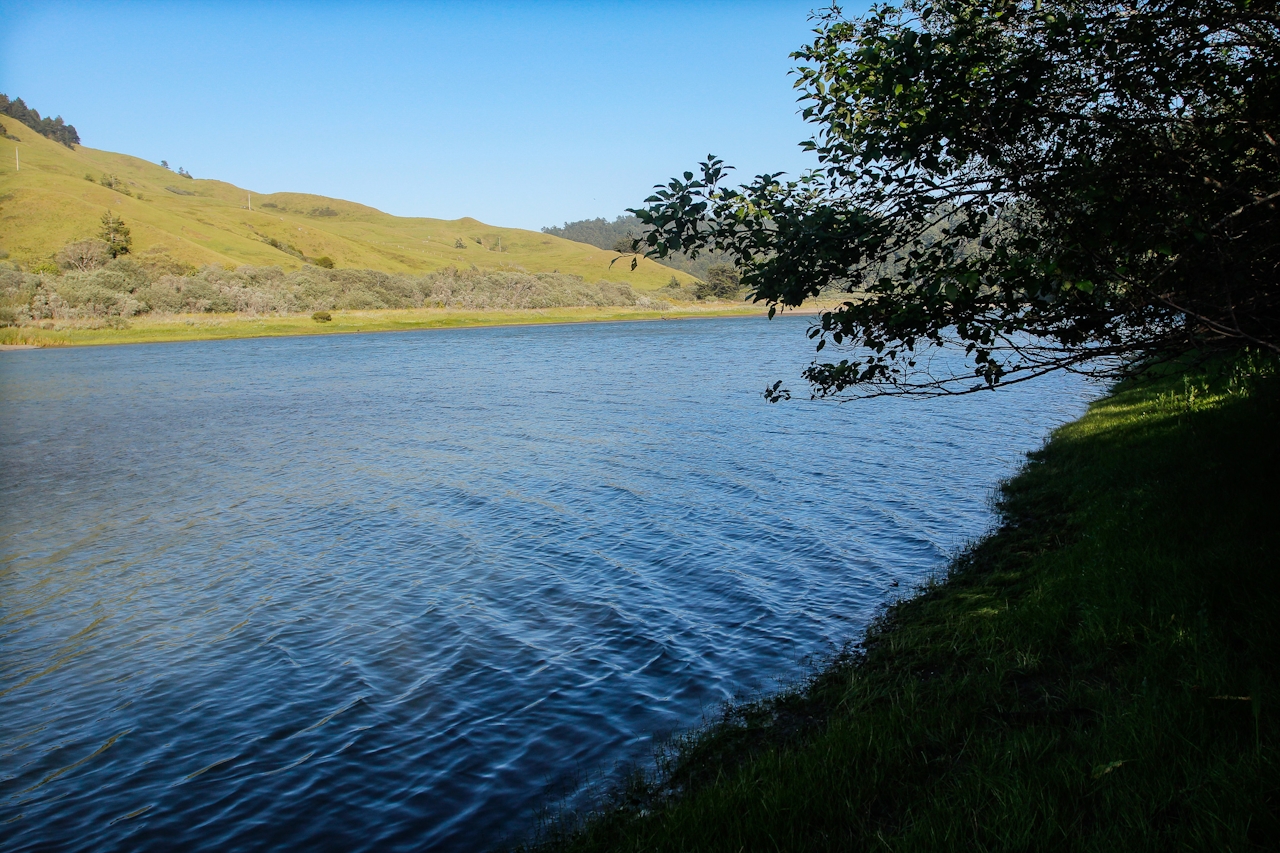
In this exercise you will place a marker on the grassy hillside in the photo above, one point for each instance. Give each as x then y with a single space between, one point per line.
1100 674
48 203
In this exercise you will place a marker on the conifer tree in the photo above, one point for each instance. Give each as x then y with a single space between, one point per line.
115 234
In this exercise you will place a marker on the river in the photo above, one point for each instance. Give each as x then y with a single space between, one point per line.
396 591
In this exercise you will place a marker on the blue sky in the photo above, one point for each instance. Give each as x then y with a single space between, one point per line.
519 114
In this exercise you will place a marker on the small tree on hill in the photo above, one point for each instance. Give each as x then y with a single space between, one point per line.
115 234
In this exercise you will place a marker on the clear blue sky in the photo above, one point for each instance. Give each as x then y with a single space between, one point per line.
519 114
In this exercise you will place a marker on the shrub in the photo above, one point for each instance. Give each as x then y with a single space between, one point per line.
322 316
84 255
458 244
325 261
126 286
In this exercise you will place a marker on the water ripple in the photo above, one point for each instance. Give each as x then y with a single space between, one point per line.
385 592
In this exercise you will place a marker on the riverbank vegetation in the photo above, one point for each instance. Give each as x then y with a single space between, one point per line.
123 288
98 300
159 328
1100 673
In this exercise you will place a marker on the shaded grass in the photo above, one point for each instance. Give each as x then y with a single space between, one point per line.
1098 674
157 329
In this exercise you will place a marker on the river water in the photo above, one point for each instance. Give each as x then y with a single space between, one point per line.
391 592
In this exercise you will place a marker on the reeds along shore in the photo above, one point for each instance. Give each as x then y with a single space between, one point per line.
1099 674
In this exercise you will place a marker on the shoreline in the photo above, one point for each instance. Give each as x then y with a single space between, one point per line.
211 327
1099 667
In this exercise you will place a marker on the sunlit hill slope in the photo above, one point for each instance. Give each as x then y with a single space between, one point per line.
48 203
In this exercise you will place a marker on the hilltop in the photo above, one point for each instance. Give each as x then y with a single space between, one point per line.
59 194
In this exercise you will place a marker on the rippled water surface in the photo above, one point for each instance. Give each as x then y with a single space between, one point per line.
383 592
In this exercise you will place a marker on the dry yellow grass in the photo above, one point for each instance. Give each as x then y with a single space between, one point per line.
48 203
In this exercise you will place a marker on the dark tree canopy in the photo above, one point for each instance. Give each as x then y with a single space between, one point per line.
1088 185
54 128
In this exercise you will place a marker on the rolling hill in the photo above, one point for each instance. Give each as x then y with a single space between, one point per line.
56 197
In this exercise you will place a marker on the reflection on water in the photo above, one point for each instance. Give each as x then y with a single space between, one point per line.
381 592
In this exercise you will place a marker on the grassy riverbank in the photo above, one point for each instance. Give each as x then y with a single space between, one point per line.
192 327
1099 674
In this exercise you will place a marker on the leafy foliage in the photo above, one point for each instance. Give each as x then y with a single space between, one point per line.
54 128
1048 185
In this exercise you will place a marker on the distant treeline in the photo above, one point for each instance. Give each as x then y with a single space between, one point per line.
54 128
129 286
616 236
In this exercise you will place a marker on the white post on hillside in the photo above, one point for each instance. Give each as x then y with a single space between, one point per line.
17 163
250 201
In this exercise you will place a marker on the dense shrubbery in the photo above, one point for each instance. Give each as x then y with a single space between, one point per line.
94 287
54 128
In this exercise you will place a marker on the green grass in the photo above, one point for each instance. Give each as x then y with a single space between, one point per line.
48 203
1099 674
191 327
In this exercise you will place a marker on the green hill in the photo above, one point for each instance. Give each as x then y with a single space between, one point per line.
47 203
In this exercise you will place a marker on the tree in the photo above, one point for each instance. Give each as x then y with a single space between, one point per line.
1043 185
723 281
115 234
54 128
84 255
